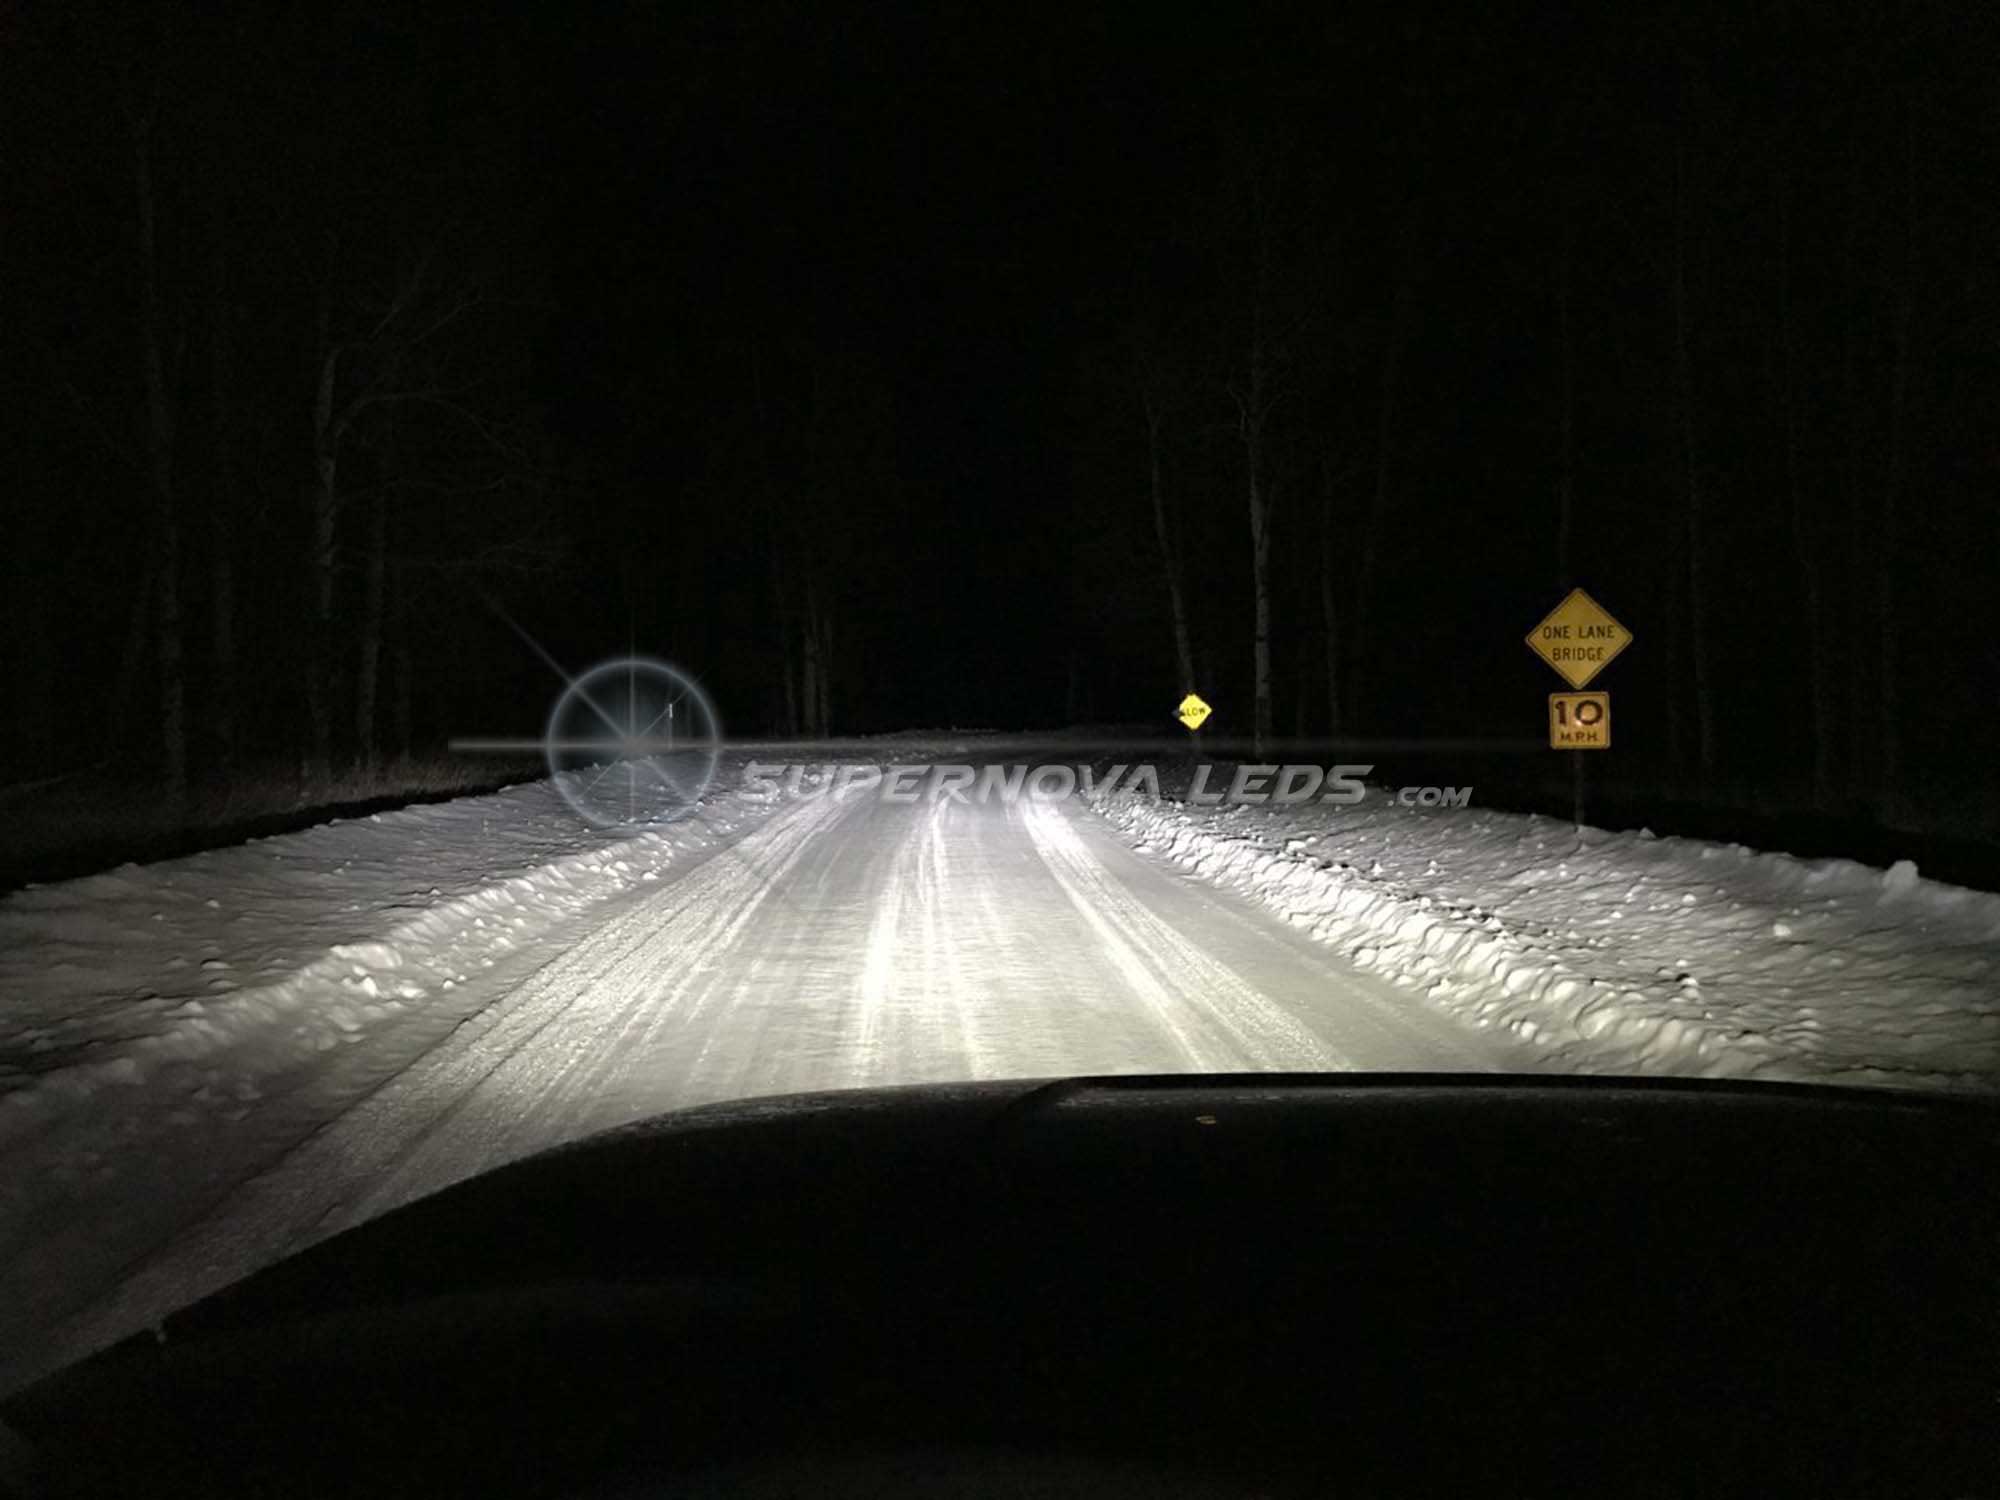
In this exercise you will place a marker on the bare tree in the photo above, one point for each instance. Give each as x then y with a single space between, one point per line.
1895 461
1784 379
1388 398
1565 398
1261 335
1329 594
225 503
387 373
1688 418
160 440
1160 392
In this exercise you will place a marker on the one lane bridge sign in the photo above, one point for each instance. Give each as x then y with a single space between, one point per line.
1579 638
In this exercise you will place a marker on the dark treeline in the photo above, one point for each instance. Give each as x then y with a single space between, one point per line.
320 447
1696 312
269 391
1004 373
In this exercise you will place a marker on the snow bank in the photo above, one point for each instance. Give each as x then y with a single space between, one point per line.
1623 952
285 947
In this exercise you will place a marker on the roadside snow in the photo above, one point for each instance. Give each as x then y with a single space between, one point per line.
1623 951
285 947
206 976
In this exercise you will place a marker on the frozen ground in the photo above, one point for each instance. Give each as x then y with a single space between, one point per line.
207 1063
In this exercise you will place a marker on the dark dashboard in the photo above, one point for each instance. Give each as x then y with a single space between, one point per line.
1216 1286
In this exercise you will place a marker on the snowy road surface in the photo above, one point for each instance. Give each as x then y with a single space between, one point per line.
168 1145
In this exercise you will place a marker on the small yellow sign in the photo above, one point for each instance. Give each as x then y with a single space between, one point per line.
1193 712
1579 721
1579 638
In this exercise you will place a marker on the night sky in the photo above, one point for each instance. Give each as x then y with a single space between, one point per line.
773 320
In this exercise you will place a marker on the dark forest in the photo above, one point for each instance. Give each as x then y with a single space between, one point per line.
1006 368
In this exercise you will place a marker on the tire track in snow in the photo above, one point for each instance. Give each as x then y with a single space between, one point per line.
1219 1021
838 943
362 1161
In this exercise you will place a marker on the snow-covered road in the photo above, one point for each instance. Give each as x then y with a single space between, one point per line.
170 1146
210 1062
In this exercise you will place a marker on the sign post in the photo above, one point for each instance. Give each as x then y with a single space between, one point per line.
1193 713
1579 638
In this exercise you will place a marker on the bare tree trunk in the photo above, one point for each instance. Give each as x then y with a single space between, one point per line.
1254 394
160 465
224 507
1888 536
788 638
796 696
1819 725
811 667
1676 649
1170 562
1694 501
1329 615
809 687
222 643
322 562
825 669
404 685
1394 345
173 672
792 724
33 749
1858 551
1252 410
1260 550
1329 602
1566 429
368 678
132 659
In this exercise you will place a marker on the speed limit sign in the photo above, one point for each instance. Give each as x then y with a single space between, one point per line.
1579 721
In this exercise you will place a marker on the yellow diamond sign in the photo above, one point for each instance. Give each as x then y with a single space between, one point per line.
1193 712
1579 638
